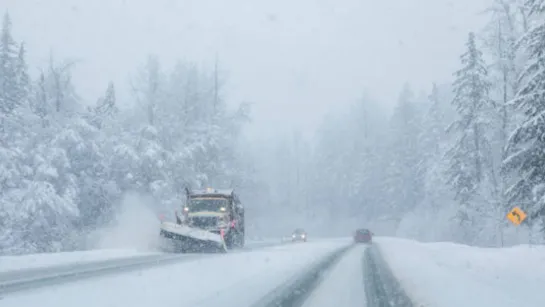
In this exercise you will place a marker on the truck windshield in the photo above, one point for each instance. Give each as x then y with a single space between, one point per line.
207 204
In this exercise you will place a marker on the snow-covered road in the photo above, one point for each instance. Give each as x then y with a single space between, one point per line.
323 272
236 279
342 285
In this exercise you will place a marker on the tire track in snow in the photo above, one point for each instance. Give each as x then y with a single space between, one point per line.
381 287
294 292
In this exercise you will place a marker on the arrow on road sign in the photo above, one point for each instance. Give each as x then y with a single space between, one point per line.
516 216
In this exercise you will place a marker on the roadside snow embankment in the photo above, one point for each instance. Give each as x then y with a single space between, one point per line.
34 261
452 275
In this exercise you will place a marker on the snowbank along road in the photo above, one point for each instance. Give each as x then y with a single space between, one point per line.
446 274
35 273
326 272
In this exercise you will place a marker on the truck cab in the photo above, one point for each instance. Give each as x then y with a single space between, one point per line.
217 211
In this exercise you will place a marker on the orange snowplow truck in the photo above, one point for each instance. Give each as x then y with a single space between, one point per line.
210 218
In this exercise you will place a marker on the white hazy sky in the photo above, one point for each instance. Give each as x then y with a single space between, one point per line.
295 59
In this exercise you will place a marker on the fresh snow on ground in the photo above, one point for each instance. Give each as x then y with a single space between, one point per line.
343 284
235 279
32 261
453 275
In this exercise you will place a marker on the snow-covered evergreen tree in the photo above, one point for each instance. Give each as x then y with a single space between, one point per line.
503 30
505 27
147 88
470 156
432 139
39 104
22 77
403 183
105 109
8 69
527 143
430 219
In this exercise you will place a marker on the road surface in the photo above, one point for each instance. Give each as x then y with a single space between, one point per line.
322 272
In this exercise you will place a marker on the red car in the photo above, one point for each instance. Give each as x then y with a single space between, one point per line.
363 236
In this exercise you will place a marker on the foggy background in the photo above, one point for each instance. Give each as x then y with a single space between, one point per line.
294 59
326 114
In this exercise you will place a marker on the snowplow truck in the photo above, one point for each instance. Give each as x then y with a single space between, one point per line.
211 221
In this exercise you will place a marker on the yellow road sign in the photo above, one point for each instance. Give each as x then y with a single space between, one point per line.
516 216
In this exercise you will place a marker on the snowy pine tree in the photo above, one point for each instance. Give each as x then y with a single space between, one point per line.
148 88
40 103
434 126
61 91
527 143
470 155
105 109
107 105
503 31
22 77
505 27
432 139
403 183
8 75
427 220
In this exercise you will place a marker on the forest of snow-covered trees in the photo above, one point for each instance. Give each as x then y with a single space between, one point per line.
64 166
444 165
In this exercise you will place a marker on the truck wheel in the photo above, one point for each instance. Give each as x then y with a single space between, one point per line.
234 239
239 240
229 240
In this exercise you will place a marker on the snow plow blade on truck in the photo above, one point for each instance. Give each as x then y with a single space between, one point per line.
212 221
185 239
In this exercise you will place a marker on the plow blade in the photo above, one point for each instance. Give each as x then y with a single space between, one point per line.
184 239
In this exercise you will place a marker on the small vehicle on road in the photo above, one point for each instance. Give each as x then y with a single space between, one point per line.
299 235
363 235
